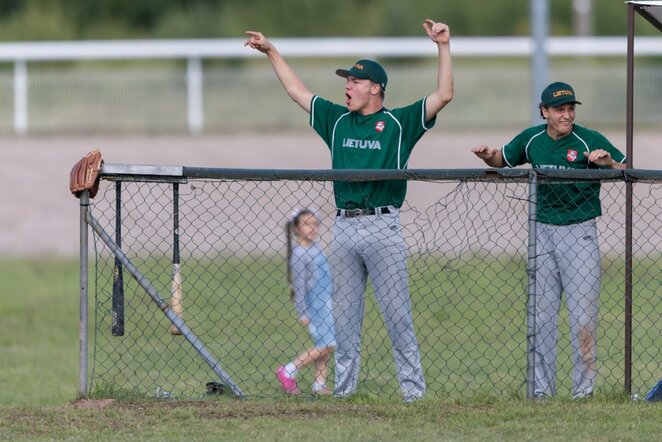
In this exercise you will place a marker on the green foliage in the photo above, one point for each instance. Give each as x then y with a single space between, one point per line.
37 22
84 19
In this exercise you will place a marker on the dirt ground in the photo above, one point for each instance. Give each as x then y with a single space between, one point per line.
41 218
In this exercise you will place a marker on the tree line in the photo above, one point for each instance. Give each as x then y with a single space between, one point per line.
33 20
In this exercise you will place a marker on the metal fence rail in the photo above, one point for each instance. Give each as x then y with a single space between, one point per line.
201 86
467 237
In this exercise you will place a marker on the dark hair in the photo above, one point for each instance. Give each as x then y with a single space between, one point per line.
289 230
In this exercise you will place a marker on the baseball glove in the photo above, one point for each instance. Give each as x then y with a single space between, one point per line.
85 174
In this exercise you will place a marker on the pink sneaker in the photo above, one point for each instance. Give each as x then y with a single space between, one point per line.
289 383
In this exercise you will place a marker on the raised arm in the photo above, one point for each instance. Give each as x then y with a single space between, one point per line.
443 94
291 82
492 157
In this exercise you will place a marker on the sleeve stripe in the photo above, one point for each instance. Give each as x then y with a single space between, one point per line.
503 154
312 110
423 113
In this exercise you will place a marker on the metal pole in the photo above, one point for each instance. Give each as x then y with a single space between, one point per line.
117 323
531 298
628 201
20 97
582 17
83 318
194 84
629 87
539 22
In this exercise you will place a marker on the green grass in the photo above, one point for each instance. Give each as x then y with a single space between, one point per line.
470 317
336 420
39 351
39 388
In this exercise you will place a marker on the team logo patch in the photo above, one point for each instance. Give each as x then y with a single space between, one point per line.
379 126
572 155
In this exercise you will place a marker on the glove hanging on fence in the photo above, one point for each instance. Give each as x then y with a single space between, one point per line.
85 174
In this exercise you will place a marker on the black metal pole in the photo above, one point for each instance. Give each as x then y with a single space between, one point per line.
118 278
628 201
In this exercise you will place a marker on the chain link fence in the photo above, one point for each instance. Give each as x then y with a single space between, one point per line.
466 235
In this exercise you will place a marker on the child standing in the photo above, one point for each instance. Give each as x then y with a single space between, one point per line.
311 289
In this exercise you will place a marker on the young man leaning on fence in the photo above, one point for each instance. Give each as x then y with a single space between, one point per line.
363 134
567 249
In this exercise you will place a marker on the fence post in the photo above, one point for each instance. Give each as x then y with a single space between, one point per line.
628 288
194 85
83 321
20 97
531 295
629 130
539 15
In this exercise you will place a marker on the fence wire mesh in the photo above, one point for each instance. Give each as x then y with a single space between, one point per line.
466 246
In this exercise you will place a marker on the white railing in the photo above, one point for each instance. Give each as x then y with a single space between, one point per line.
194 51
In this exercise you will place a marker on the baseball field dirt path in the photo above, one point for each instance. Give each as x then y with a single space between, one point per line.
40 217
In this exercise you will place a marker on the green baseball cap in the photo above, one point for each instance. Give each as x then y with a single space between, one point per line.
558 94
366 69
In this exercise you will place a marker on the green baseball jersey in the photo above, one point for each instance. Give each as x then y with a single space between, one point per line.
561 204
383 140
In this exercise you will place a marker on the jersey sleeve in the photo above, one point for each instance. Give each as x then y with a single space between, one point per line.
413 125
514 153
412 118
302 274
603 143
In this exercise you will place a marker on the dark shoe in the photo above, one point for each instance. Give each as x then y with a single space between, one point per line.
214 389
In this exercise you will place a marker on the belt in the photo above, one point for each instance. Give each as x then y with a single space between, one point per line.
351 213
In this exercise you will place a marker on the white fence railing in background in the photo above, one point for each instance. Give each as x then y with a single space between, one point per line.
194 51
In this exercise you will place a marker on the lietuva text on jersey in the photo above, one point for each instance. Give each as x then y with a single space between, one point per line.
362 144
553 166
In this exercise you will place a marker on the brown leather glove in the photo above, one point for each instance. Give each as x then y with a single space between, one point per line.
85 174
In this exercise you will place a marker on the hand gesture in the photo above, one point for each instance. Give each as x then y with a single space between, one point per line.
600 157
485 153
258 41
438 32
